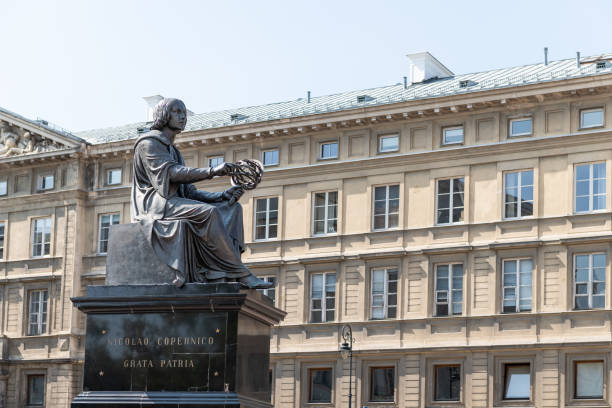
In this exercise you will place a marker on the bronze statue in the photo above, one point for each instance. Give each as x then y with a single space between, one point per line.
198 234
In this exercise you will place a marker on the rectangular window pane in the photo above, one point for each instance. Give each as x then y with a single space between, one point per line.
36 390
382 384
590 187
589 281
37 319
452 135
517 381
270 157
322 297
591 118
320 385
329 150
215 161
41 236
113 176
518 194
3 187
589 379
106 221
521 127
448 383
388 143
450 200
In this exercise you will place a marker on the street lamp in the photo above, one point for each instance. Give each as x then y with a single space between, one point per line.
346 351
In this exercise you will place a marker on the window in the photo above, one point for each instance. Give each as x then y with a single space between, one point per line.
517 285
588 379
521 127
113 177
517 381
590 118
450 201
321 380
518 194
322 297
37 317
41 236
452 135
3 187
325 213
600 64
270 157
329 150
106 221
386 207
589 281
383 304
388 143
449 289
447 384
266 218
590 187
382 384
215 161
45 182
36 390
1 240
269 292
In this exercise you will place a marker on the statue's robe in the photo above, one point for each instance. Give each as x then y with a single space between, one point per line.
196 233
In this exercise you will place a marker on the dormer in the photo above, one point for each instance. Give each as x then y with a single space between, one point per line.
424 66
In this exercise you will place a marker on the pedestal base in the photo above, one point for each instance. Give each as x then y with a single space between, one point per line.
203 345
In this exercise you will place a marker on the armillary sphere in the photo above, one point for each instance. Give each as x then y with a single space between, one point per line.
246 173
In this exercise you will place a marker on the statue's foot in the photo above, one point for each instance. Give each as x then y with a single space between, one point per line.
253 282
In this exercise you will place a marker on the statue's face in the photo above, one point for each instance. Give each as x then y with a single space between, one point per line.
178 116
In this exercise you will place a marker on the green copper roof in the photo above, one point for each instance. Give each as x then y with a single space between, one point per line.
455 85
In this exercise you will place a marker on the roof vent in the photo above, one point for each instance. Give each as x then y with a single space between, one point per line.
238 116
142 129
364 98
424 66
466 83
601 64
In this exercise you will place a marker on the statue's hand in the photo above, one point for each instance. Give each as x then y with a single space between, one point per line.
220 170
233 194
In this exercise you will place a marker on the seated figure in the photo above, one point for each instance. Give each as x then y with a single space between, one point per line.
198 234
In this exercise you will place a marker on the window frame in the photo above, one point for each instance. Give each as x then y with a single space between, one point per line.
386 292
43 243
387 213
500 379
41 181
329 142
388 136
572 378
26 387
323 298
4 229
111 215
42 320
449 299
520 194
519 119
263 157
267 225
590 281
266 291
517 285
450 202
309 393
326 219
109 173
594 109
5 182
371 369
453 127
211 158
435 365
591 180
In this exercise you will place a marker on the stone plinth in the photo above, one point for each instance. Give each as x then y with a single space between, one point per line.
203 345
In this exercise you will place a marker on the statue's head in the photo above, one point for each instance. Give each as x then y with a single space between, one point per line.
170 112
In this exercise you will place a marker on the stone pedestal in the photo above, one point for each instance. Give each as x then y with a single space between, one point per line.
203 345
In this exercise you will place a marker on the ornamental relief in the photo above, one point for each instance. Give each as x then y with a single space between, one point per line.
22 142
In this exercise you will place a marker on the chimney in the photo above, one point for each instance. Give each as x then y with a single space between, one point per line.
151 102
424 66
545 55
578 59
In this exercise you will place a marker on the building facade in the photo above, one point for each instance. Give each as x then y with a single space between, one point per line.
461 225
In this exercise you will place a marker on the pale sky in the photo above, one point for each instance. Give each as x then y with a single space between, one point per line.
85 64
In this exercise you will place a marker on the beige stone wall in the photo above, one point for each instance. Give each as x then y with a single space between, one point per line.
480 339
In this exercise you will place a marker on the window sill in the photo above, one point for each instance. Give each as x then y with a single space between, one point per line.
327 158
526 217
265 240
520 135
451 144
388 151
603 210
591 127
